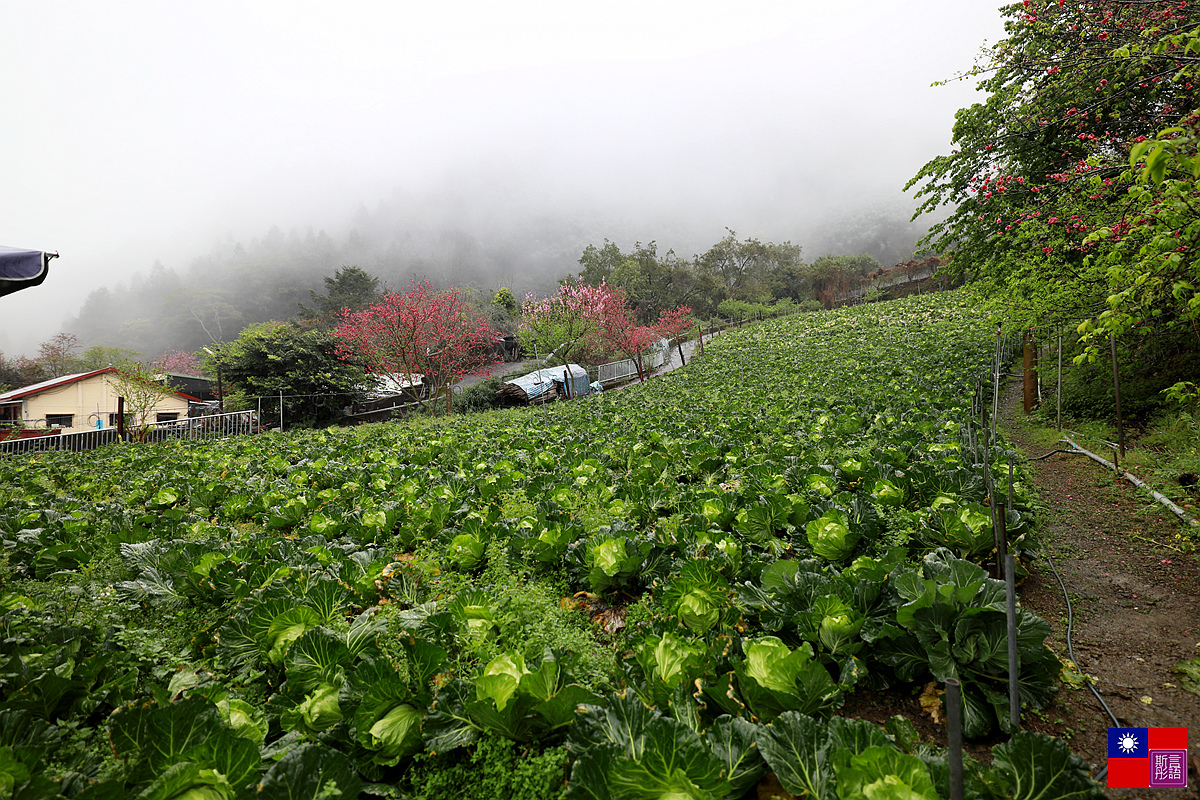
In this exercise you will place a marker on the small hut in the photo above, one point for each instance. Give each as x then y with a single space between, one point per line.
547 385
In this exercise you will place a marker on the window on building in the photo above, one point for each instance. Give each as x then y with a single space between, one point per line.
112 420
60 420
10 414
167 416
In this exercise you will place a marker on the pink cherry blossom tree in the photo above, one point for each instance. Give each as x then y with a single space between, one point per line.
179 362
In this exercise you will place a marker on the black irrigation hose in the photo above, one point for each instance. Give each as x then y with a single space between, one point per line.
1070 648
1052 452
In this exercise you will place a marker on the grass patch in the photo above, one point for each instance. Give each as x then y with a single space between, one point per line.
492 767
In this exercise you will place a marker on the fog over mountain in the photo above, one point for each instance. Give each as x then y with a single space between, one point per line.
496 140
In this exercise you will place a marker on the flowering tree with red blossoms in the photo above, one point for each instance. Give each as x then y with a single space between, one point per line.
674 322
620 332
1067 200
420 332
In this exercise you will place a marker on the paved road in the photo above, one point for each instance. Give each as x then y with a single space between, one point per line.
519 366
501 369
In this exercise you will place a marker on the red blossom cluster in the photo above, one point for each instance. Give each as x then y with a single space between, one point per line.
420 332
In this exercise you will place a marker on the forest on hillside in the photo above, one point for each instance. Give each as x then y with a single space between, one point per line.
268 277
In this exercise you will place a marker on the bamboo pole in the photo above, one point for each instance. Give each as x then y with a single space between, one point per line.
1112 339
996 384
1014 663
1058 387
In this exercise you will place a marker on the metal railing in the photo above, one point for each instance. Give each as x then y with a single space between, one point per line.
213 426
75 442
216 426
623 370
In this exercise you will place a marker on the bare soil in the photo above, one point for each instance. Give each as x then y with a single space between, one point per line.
1135 600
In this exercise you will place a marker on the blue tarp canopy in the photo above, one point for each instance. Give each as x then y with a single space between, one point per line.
20 269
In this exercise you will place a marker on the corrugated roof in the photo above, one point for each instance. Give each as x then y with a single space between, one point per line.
65 380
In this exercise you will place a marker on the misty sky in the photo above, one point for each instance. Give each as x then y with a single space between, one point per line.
136 131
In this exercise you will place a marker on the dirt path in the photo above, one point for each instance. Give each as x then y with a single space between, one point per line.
1136 602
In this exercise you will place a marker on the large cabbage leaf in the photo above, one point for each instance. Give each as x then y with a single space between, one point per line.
883 773
1033 765
630 752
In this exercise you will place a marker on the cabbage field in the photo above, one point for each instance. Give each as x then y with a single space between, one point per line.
663 592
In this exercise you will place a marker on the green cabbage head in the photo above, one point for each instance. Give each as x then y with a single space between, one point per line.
396 734
887 493
320 710
830 535
772 665
839 625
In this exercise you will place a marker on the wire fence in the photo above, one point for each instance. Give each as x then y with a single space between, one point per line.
626 369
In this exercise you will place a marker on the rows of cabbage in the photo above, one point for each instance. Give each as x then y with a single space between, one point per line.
733 545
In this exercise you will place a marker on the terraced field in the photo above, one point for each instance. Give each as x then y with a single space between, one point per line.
666 592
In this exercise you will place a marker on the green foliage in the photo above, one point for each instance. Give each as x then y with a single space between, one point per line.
699 596
883 772
626 750
653 283
743 309
479 397
505 299
273 358
135 382
774 679
99 357
830 535
955 618
1073 182
492 767
1034 765
351 288
1150 361
833 276
744 269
